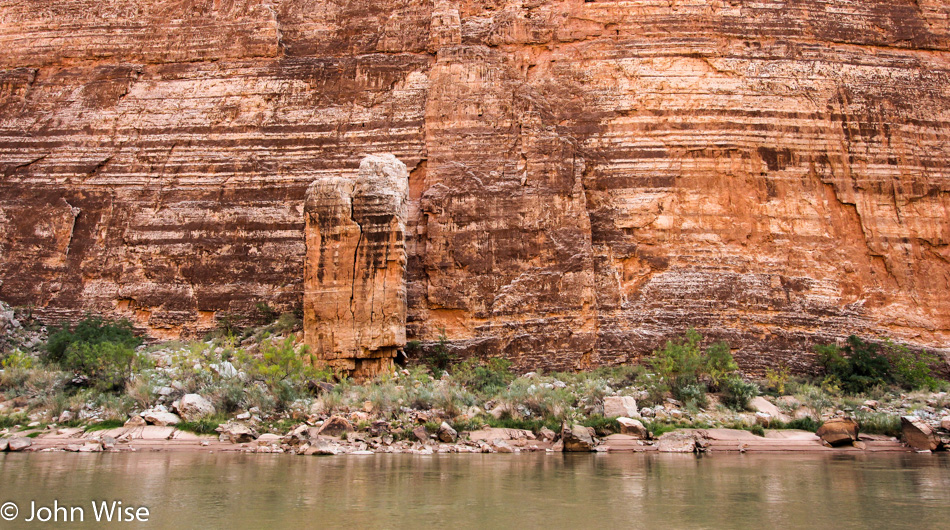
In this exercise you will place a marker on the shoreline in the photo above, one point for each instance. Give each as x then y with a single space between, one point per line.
492 440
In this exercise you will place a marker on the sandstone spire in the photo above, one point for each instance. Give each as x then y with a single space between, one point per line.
355 271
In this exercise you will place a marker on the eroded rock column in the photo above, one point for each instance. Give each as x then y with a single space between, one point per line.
355 272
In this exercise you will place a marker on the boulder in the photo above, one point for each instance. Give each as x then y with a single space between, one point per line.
760 404
918 434
677 442
616 406
19 443
268 439
447 434
322 446
577 439
160 418
421 434
236 433
335 426
945 423
108 442
501 446
135 421
4 444
193 407
838 431
633 428
547 435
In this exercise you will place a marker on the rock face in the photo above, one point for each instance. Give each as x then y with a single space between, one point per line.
586 179
355 278
576 439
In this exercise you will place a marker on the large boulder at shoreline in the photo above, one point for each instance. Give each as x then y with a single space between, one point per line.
616 406
19 443
633 428
447 434
237 433
945 423
838 431
677 442
161 417
335 426
193 407
487 435
917 434
577 439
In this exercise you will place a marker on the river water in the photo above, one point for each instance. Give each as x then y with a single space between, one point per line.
200 490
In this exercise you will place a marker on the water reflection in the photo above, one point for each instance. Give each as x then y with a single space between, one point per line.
496 491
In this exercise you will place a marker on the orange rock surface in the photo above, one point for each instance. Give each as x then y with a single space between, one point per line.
586 178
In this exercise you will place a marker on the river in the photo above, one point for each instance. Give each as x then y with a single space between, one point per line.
200 490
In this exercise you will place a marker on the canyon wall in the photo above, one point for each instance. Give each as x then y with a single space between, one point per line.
586 178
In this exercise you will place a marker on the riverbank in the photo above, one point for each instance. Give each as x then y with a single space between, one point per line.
260 391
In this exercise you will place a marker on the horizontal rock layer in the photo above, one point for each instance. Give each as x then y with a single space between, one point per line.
587 178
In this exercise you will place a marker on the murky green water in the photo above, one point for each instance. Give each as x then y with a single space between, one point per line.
490 491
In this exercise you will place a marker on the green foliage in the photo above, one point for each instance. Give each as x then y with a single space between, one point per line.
440 358
484 377
280 363
202 426
265 313
686 369
804 424
718 363
17 360
737 392
910 370
91 330
777 378
602 426
861 366
12 420
105 425
878 423
107 364
757 430
679 361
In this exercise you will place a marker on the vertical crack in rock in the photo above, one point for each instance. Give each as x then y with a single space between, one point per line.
355 271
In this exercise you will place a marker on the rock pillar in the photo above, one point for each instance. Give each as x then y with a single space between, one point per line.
355 272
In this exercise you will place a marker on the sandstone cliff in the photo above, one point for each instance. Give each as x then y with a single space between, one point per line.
586 177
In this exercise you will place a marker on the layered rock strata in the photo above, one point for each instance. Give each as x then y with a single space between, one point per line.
586 179
355 276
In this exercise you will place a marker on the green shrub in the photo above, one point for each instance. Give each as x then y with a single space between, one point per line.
107 364
737 392
685 369
679 361
910 370
777 378
440 358
861 366
91 330
280 362
265 313
485 378
718 363
202 426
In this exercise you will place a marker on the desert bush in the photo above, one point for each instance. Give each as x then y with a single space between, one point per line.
737 392
91 330
686 369
861 365
777 378
483 377
440 357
